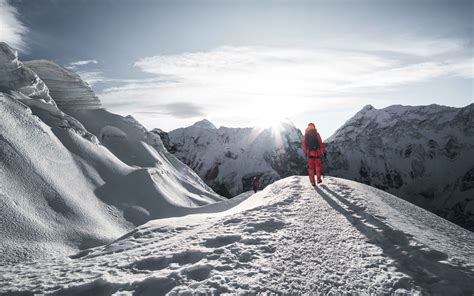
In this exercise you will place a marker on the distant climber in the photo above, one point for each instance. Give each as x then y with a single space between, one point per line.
314 148
255 184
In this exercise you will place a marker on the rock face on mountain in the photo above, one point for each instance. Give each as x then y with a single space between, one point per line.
424 154
77 179
228 158
67 89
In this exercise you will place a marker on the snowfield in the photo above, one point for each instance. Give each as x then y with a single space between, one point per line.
341 237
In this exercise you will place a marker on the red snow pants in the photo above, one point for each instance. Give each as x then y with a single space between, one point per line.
314 164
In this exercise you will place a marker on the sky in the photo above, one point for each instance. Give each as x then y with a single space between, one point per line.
246 63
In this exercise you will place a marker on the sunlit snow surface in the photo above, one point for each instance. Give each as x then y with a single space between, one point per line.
341 237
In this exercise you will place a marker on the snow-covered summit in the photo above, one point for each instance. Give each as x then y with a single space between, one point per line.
204 124
424 154
228 158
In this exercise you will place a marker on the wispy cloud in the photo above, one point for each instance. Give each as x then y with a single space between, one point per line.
238 84
74 65
407 45
12 30
178 110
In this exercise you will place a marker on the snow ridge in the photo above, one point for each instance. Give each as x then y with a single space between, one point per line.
73 175
340 238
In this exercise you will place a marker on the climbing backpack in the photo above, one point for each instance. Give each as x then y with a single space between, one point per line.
312 143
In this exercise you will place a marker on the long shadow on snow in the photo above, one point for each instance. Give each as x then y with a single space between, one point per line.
421 264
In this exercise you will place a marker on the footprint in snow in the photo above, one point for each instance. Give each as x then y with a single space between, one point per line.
270 225
221 240
157 263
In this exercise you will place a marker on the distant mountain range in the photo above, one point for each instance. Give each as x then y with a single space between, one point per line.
227 159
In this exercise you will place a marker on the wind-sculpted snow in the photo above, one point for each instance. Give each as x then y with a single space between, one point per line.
42 213
423 154
340 238
74 180
67 89
14 75
228 158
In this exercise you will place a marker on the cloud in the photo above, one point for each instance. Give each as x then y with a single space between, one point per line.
407 45
241 85
12 30
74 65
179 110
92 77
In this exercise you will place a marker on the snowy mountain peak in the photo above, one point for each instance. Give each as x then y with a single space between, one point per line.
228 158
420 153
367 107
204 124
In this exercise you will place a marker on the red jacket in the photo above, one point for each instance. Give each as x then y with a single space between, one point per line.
321 148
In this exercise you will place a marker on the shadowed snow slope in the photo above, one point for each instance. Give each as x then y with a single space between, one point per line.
228 158
69 183
424 154
291 238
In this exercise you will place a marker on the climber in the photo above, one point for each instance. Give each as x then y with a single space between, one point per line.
314 148
255 184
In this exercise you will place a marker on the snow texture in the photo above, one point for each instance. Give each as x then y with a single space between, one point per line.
70 181
227 159
424 154
342 237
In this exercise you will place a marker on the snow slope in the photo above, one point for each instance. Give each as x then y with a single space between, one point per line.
342 237
228 158
424 154
72 182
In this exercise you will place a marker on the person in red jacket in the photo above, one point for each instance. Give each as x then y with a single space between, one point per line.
314 148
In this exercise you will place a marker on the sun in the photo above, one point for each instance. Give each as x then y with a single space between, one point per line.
269 122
